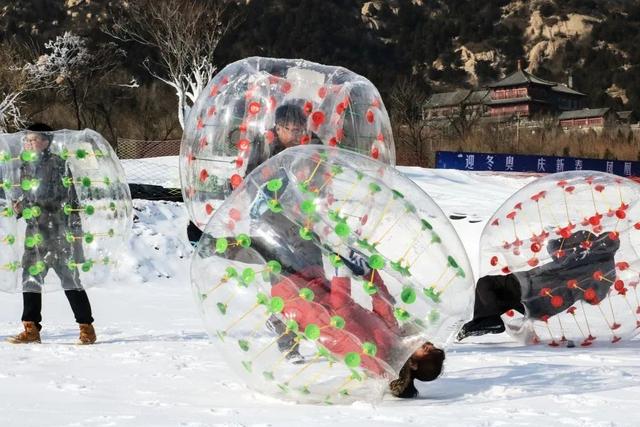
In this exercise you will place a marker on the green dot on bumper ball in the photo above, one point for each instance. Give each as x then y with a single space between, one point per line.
292 325
67 209
408 295
342 229
88 238
27 213
33 270
231 272
376 262
452 262
28 156
89 210
401 314
274 206
86 182
337 322
352 359
221 245
308 207
312 332
26 185
248 275
274 267
370 288
81 154
243 240
10 240
36 211
335 260
67 182
86 266
274 184
30 242
276 305
369 348
305 233
306 294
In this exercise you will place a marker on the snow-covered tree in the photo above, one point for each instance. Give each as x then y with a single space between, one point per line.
71 67
185 35
15 83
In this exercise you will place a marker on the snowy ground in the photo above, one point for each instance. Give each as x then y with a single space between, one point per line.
154 365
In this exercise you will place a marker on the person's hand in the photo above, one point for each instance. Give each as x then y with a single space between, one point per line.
17 206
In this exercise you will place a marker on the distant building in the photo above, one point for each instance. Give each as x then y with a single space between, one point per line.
627 118
519 95
588 118
442 106
526 95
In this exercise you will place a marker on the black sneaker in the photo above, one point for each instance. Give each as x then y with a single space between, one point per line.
473 330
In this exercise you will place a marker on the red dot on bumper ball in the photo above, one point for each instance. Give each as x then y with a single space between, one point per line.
243 144
533 262
286 87
375 153
208 208
304 139
333 141
370 116
235 214
254 107
535 247
239 162
203 175
621 214
494 261
236 180
557 301
308 107
322 92
317 118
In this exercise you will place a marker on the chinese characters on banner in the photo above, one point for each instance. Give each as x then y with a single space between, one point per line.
527 163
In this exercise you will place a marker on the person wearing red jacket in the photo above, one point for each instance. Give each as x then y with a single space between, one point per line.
362 327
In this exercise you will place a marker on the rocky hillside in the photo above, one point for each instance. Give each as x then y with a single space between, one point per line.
440 44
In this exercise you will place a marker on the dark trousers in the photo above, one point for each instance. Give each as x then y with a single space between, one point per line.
78 300
495 295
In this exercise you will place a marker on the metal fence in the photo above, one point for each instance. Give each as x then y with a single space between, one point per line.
149 176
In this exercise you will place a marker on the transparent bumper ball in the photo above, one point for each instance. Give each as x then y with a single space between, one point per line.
324 271
570 240
65 210
254 108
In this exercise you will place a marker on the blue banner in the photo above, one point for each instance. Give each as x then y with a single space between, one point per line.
526 163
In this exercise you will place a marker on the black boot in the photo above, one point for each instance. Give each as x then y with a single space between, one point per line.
482 326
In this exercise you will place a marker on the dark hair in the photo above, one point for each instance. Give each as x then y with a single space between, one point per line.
40 127
290 113
428 369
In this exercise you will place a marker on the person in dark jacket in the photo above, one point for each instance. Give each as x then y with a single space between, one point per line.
582 268
47 243
289 131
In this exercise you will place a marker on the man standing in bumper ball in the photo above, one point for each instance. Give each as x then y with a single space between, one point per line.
52 250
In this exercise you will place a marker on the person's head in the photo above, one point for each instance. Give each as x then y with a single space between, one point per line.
425 364
290 124
38 137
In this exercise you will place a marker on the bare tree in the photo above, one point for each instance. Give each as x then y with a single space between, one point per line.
15 83
185 35
73 69
464 120
410 130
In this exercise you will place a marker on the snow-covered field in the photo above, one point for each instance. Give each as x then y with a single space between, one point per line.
154 366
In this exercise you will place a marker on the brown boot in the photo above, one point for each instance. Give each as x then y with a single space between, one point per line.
87 334
30 334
